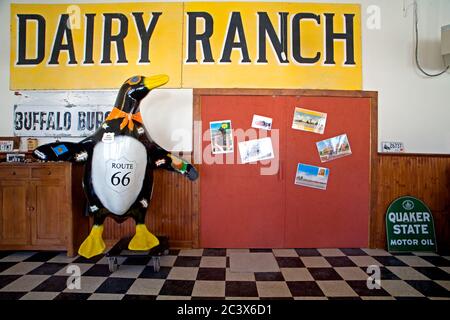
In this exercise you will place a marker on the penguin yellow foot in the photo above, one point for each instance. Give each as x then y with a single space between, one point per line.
93 244
143 239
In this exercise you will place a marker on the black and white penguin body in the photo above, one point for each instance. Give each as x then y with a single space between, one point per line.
120 159
118 171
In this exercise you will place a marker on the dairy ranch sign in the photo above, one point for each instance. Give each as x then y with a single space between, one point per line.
261 45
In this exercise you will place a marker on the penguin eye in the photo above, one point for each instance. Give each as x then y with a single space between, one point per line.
134 80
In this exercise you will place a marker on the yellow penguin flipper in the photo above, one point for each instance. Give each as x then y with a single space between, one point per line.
93 244
143 239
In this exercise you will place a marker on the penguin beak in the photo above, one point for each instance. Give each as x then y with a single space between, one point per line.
155 81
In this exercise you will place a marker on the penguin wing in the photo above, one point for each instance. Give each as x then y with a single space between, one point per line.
161 158
61 151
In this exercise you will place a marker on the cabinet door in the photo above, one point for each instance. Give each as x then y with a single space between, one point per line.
48 218
14 213
339 215
240 205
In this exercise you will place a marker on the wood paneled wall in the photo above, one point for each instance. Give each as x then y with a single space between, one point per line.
426 177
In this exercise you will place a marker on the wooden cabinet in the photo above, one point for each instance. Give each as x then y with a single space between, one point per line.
41 207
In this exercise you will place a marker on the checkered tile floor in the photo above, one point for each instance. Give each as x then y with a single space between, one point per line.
206 274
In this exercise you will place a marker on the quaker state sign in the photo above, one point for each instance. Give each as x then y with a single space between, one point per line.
410 226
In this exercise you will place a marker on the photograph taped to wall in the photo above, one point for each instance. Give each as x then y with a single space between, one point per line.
221 136
309 120
260 122
256 150
311 176
334 148
8 144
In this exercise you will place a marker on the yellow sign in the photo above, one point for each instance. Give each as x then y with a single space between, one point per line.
94 46
198 44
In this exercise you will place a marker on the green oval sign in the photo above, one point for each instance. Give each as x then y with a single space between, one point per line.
410 226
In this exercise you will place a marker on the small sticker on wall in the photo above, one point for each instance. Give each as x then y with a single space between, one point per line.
394 147
311 176
260 122
334 148
256 150
221 136
309 120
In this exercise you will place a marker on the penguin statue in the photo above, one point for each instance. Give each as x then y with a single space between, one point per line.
119 162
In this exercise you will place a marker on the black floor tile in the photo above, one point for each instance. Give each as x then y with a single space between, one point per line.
390 261
255 250
207 298
177 288
139 261
174 252
434 273
276 298
214 252
437 261
7 279
324 274
42 256
289 262
6 265
187 261
48 269
344 298
53 284
11 295
308 252
429 288
340 262
138 297
411 298
216 274
149 273
353 252
360 287
90 260
385 273
98 270
304 288
72 296
269 276
241 289
403 254
5 253
115 285
228 262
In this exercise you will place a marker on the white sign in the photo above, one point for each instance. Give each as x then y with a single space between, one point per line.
6 146
394 147
58 121
256 150
260 122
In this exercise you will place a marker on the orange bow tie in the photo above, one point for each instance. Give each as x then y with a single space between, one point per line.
128 118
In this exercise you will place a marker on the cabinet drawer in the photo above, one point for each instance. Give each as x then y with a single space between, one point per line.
14 173
47 172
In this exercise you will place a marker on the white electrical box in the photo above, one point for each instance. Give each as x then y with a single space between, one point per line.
445 43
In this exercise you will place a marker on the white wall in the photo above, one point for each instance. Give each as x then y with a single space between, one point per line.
412 108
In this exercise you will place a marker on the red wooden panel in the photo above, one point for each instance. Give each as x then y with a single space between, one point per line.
239 206
242 208
338 216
